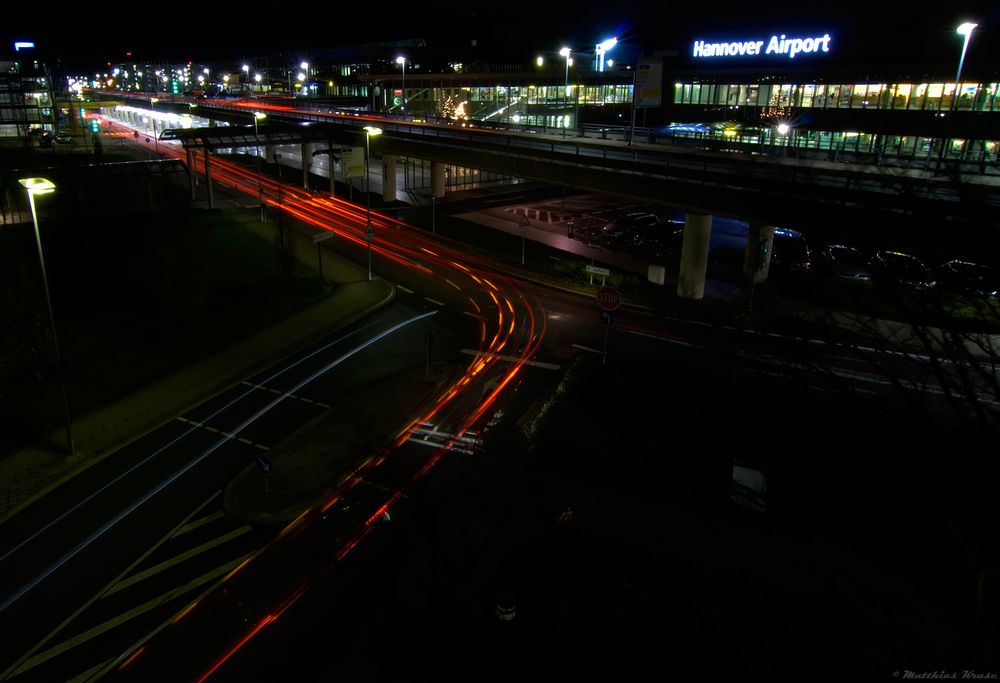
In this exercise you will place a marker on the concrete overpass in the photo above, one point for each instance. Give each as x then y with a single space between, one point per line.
900 206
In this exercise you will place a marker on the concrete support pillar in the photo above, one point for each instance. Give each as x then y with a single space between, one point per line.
694 255
208 178
307 160
332 166
268 154
437 178
192 173
757 257
389 177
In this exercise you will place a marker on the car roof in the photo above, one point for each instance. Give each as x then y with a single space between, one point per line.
787 232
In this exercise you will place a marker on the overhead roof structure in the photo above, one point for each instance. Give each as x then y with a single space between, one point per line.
244 135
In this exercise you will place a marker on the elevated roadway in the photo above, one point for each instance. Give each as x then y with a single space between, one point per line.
849 199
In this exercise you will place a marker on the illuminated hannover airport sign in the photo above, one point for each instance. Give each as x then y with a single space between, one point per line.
777 45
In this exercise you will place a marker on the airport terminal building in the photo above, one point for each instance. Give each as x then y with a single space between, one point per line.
839 92
935 96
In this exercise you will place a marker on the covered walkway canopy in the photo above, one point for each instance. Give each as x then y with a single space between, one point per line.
267 134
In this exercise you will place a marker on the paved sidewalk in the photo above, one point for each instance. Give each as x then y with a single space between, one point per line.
42 466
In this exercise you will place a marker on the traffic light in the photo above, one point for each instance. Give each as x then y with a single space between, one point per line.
95 126
765 245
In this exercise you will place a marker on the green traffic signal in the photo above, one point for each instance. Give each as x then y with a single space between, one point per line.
763 249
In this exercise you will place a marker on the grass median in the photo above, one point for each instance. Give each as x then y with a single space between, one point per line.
135 298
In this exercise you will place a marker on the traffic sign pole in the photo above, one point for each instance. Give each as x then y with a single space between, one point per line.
607 317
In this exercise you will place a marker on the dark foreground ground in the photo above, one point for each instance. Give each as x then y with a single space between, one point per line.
621 551
626 558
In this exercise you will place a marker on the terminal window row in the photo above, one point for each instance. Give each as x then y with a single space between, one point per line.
921 96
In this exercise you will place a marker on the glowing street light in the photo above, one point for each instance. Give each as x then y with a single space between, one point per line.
402 60
965 30
42 186
566 52
369 230
257 116
603 48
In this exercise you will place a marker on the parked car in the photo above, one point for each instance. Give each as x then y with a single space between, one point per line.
844 263
620 229
645 236
968 279
898 269
790 252
665 244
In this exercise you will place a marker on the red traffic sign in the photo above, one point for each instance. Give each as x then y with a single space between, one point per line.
609 298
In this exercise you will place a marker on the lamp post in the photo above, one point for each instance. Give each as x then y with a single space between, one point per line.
369 230
964 29
42 186
260 191
402 60
602 49
152 108
566 52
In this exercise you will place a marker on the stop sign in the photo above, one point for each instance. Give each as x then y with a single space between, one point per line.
609 298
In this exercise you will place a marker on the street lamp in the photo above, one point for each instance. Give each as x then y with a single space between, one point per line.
152 109
402 60
260 191
369 230
603 48
965 30
42 186
565 52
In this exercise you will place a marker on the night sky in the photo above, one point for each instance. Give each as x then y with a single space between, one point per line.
93 36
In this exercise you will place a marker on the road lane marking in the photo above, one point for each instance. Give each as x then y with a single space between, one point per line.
97 596
138 611
311 401
177 559
201 521
89 674
228 435
513 359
